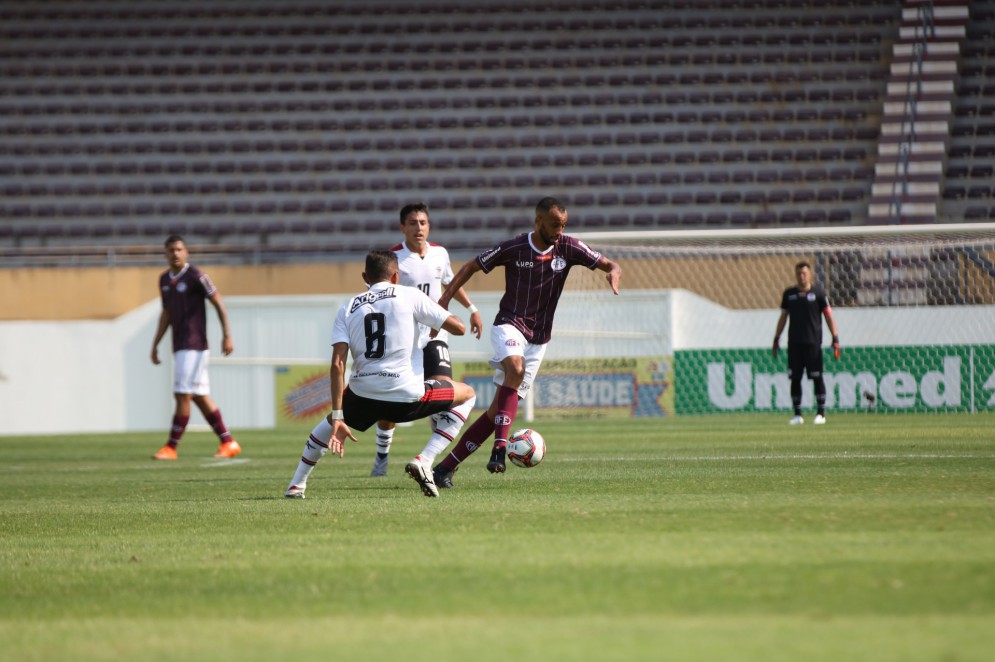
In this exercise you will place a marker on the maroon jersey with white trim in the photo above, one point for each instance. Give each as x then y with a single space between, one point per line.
533 280
183 298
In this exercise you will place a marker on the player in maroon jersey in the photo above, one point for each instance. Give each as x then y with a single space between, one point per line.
184 288
535 269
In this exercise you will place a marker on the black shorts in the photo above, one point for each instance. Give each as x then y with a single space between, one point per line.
804 358
435 359
360 413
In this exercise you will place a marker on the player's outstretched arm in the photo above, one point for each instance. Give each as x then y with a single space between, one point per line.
454 325
476 321
614 272
459 280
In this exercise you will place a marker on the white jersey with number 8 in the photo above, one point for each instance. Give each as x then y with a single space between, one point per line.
381 327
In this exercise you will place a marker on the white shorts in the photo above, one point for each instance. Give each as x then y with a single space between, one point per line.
190 372
507 341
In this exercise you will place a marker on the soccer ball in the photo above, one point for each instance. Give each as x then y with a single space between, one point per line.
526 448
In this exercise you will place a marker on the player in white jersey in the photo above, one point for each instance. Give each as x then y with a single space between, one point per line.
426 266
380 328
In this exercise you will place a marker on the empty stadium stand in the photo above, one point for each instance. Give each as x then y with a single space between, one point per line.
270 128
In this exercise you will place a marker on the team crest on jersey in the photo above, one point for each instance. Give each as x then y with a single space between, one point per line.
811 296
558 263
181 287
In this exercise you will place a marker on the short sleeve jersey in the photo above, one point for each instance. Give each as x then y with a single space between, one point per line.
183 298
381 327
805 314
533 281
428 274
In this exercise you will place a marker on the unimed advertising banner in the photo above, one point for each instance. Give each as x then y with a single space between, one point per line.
582 388
956 378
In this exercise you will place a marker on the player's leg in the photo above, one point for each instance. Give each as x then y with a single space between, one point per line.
385 437
815 373
360 413
181 416
227 446
184 364
796 370
446 425
504 408
506 341
200 387
505 418
314 449
441 396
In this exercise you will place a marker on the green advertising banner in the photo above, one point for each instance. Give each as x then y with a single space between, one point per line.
947 378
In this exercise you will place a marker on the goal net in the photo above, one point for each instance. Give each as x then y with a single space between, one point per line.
691 331
915 306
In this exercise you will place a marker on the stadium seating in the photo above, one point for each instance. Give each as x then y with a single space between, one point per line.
257 123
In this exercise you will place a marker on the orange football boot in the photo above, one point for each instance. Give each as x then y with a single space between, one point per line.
167 452
228 449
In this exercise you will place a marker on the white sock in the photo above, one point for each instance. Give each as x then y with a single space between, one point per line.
384 439
447 427
314 450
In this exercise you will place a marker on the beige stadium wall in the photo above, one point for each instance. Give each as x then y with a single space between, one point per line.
739 283
102 294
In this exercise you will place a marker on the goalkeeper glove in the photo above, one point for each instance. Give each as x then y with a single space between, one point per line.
836 347
777 346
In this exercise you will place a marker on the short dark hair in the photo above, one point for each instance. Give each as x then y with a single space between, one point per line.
172 239
547 204
804 264
408 209
380 265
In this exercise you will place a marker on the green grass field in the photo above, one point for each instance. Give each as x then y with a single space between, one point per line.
720 538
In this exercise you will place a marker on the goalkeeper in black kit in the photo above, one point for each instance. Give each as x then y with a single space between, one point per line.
805 304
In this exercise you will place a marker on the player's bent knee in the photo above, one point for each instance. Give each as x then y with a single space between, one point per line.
461 393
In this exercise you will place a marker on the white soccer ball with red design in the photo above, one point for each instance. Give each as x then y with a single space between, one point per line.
526 448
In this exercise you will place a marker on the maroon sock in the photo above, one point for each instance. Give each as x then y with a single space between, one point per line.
507 407
176 432
471 440
218 425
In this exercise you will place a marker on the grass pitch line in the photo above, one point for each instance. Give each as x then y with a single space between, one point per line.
793 456
226 462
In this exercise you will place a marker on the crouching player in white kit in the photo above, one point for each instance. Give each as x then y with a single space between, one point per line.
380 328
426 266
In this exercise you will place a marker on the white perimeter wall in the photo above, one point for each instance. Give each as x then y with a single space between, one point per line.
69 377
